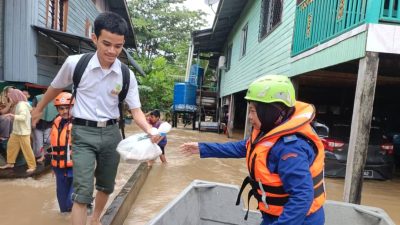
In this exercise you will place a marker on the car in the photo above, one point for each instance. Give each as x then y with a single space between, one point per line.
380 157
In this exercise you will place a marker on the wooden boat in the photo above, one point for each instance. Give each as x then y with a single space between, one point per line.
19 170
209 203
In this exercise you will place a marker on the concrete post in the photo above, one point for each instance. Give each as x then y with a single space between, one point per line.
360 126
231 117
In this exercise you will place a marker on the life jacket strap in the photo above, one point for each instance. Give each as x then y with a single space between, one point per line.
245 182
248 204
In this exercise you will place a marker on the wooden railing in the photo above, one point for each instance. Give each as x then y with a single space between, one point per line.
390 11
317 21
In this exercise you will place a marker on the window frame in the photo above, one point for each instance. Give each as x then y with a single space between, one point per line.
244 37
88 28
53 21
229 57
271 15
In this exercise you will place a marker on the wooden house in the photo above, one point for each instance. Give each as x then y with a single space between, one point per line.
36 36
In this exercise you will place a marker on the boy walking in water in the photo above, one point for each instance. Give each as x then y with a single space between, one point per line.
155 121
95 133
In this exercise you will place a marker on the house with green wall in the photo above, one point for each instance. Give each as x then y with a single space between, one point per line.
341 55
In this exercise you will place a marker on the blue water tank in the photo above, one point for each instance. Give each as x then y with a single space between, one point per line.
196 74
184 97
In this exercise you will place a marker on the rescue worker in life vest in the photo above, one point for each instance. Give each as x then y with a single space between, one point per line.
284 156
60 150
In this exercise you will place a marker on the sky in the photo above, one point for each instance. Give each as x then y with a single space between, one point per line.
201 5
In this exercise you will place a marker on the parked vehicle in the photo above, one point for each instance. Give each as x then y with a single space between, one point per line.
379 162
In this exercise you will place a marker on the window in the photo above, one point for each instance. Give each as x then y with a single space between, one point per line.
57 14
228 57
244 40
271 16
88 28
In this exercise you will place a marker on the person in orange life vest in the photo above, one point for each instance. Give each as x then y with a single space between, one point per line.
284 156
60 140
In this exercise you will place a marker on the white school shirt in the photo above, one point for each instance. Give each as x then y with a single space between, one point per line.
97 93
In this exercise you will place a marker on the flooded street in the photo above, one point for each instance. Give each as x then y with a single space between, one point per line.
33 201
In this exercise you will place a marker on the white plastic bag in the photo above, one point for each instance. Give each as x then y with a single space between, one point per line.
138 148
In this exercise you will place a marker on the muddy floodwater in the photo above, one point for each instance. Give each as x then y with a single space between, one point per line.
33 201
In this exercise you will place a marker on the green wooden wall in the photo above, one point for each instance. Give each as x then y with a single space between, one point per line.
350 49
268 56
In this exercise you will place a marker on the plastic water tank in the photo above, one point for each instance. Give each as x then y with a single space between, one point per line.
196 74
184 97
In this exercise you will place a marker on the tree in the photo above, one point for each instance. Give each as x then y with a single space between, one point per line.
157 89
163 29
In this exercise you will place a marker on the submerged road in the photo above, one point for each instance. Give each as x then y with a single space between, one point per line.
33 201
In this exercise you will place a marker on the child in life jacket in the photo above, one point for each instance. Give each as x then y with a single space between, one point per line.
60 150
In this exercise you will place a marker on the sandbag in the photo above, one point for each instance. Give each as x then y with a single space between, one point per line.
138 148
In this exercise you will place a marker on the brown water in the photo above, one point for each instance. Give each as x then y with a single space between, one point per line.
33 201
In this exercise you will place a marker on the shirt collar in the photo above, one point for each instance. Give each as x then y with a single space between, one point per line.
95 63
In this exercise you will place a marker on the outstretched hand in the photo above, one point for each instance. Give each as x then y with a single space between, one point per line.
189 148
36 115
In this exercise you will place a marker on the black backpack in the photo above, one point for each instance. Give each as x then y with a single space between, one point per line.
78 72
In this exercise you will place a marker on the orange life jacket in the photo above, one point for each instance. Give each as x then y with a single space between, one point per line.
272 197
59 137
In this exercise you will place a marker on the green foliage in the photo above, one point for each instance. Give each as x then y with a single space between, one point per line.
163 31
156 89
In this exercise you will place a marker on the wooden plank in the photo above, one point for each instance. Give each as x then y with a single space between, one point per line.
360 126
120 207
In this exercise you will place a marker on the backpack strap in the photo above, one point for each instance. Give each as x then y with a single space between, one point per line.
79 70
125 82
122 95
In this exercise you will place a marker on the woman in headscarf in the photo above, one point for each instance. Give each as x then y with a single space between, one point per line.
5 108
20 135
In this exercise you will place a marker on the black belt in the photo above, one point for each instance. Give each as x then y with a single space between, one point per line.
90 123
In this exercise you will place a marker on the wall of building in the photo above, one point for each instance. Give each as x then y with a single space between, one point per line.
78 12
1 39
344 51
20 41
270 55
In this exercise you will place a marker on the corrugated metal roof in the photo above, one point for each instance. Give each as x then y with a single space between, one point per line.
120 7
77 44
212 40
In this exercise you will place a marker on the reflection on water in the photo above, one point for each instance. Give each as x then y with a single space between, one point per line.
33 201
165 182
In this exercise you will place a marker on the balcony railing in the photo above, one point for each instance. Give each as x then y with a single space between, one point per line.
318 21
